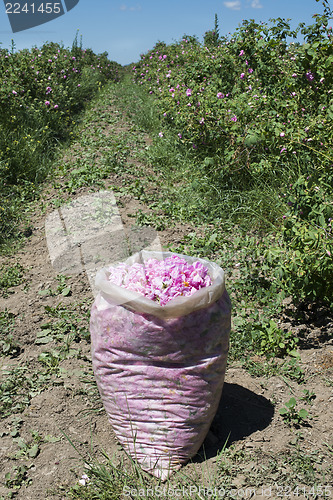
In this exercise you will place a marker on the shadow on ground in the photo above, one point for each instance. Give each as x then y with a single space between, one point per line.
241 412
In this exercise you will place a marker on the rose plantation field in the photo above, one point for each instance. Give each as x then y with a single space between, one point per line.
225 149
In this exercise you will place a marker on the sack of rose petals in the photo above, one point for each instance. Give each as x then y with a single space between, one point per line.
160 329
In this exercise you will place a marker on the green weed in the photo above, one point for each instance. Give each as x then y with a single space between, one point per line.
291 369
309 396
153 220
292 416
27 450
62 288
17 387
10 276
8 345
17 478
272 340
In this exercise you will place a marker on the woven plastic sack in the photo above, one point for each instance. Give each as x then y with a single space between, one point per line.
160 370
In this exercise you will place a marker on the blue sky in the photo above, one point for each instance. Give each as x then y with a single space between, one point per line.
127 28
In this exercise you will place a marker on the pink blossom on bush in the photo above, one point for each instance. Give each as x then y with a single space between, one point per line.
309 76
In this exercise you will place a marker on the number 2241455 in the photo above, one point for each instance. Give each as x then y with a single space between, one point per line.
32 8
318 491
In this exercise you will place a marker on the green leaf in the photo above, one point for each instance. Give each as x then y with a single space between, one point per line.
303 413
51 439
291 403
44 340
33 451
66 291
44 332
251 140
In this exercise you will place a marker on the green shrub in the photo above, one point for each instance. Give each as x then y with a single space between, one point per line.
43 92
304 260
254 113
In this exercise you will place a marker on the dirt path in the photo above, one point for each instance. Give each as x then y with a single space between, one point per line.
48 388
58 395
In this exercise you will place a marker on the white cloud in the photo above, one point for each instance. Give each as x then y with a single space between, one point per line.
124 7
233 5
255 4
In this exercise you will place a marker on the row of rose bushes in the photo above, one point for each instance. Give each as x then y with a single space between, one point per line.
253 98
255 110
42 92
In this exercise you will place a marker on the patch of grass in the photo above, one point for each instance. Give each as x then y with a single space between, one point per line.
109 479
28 449
64 332
84 174
295 468
236 470
309 396
291 369
153 220
18 386
138 106
8 345
10 276
6 322
67 319
68 326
